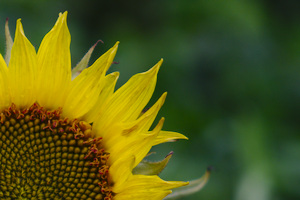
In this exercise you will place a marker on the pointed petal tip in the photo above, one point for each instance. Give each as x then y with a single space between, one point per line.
159 125
115 74
19 28
163 98
60 14
164 95
183 137
154 70
19 22
186 183
62 18
158 65
160 62
115 47
64 15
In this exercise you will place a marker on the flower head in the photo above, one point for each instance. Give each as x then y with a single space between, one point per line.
75 139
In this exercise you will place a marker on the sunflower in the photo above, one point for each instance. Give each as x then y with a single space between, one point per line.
75 139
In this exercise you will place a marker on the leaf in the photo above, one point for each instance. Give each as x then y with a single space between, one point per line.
152 168
193 187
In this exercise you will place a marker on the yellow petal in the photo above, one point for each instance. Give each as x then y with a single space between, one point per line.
22 69
85 89
127 146
144 122
141 125
132 138
145 195
168 136
127 102
5 100
138 185
109 84
120 170
83 62
54 62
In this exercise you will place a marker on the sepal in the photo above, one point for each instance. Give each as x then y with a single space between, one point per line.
84 61
152 168
9 42
193 187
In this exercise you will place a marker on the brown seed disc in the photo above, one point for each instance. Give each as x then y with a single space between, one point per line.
43 156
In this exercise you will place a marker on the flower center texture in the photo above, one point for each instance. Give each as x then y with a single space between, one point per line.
45 156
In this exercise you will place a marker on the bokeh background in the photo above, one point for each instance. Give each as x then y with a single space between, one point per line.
231 69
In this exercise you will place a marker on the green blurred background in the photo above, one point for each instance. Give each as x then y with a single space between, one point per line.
231 69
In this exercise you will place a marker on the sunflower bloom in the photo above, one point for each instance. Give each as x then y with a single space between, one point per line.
75 139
